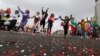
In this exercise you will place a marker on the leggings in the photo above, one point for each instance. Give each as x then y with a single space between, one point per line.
50 24
0 17
36 27
65 29
22 24
42 23
12 25
2 23
83 32
94 29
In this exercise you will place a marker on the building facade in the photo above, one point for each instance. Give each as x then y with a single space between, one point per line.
97 11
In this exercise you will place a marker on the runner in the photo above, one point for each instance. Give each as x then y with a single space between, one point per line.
95 28
5 16
25 18
83 27
50 23
44 17
1 17
36 24
65 24
14 21
73 26
0 14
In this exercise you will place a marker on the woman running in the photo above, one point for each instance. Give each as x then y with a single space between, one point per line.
44 16
73 26
83 27
65 24
78 32
36 23
95 28
0 14
14 20
25 18
50 23
89 27
5 16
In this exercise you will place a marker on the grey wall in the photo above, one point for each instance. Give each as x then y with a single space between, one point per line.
98 11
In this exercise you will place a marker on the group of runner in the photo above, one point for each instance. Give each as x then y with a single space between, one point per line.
82 28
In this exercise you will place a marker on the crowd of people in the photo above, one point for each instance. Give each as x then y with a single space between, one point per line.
83 28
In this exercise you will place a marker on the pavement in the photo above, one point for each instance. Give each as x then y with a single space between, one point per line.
16 44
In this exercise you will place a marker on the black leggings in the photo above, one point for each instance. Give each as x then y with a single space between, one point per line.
65 29
0 17
2 23
50 24
12 25
42 23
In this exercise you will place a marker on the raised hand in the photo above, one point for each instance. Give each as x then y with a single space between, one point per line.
18 6
60 17
47 8
42 7
70 15
20 10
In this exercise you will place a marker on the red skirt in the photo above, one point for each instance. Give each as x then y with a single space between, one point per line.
73 29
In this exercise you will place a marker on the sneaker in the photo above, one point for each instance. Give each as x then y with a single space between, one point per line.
65 36
41 31
99 38
33 34
21 32
81 36
87 37
11 31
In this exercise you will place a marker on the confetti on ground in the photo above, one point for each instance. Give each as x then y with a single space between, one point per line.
1 45
16 44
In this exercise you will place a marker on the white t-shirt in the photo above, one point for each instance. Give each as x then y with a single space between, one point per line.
15 17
